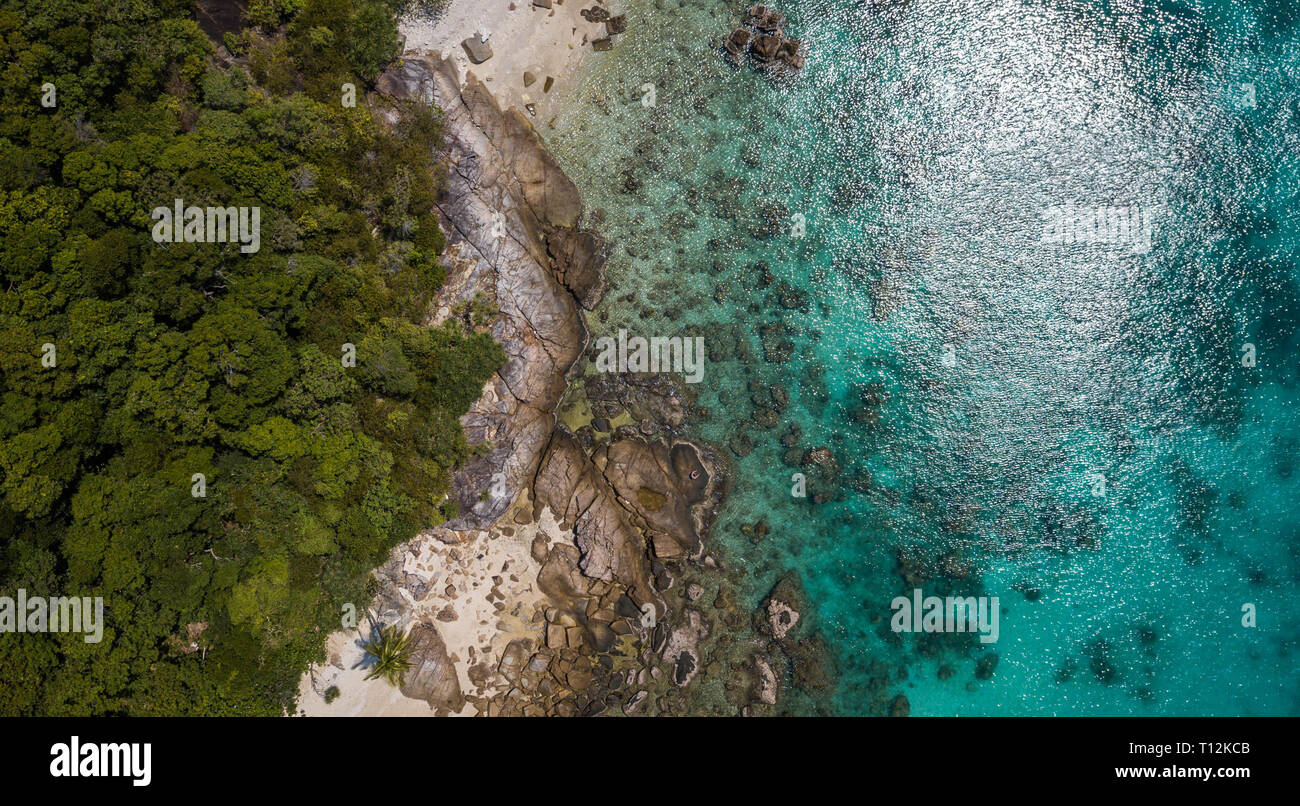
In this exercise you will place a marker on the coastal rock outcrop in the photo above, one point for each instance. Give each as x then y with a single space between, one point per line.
660 484
763 37
570 484
511 218
610 514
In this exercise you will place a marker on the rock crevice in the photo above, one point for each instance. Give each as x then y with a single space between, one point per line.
512 219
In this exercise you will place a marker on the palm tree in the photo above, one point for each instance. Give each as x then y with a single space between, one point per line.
392 652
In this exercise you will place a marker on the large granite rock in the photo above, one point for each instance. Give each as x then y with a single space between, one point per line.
581 499
432 676
511 218
655 481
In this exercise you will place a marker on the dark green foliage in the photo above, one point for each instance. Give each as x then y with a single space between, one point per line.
391 651
192 358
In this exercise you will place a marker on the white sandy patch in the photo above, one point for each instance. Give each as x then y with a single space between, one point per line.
468 579
546 42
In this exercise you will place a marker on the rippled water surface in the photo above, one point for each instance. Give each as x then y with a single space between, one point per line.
1075 428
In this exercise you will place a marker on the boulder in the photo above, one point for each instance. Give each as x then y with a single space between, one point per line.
788 53
766 683
432 675
476 49
822 459
899 706
782 611
616 25
738 42
655 481
770 20
682 650
765 47
609 548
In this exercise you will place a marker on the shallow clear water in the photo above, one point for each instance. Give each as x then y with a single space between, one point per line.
1071 427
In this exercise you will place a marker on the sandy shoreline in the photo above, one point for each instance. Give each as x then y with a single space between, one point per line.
480 592
548 43
548 607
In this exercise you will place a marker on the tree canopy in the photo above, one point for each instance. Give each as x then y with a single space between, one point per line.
197 447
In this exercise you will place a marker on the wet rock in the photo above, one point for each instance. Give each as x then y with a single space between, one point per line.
738 42
823 459
765 47
814 668
602 44
780 613
765 18
741 444
684 669
789 54
616 25
767 418
578 259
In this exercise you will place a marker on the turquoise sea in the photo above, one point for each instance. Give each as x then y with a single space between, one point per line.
1078 429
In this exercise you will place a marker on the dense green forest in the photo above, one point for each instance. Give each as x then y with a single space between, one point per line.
176 359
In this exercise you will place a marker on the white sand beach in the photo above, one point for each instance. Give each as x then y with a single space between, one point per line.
482 595
481 591
525 38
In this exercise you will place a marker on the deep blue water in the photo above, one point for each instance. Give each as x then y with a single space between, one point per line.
1074 428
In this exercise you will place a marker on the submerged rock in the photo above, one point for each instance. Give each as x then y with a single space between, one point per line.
780 613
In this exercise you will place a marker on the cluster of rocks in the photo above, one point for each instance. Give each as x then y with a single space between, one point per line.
615 24
627 625
763 38
788 650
